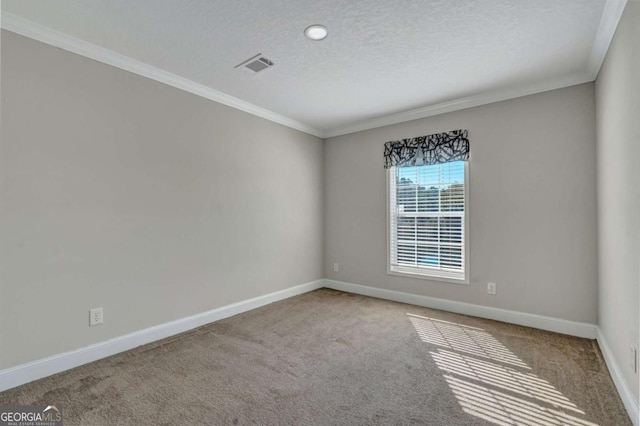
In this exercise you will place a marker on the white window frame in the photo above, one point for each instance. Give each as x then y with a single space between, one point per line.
428 275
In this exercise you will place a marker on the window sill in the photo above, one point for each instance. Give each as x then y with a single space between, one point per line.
428 277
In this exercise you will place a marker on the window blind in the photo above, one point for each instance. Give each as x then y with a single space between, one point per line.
427 220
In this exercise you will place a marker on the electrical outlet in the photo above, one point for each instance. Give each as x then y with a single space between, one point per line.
95 316
634 359
336 267
492 288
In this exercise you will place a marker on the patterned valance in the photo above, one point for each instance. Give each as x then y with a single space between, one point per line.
426 150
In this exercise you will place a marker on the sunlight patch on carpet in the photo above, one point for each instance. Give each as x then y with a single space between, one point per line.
491 382
471 340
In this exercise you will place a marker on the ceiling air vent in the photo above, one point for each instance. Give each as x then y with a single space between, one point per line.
256 64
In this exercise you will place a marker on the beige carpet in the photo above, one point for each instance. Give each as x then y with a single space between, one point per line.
329 358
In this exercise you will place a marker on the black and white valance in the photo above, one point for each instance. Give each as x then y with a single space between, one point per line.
426 150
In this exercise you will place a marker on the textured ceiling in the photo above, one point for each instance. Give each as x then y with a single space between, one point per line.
381 57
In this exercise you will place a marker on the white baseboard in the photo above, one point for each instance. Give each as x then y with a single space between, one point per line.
628 399
38 369
589 331
24 373
580 329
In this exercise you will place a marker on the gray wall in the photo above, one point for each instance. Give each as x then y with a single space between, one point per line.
532 205
618 122
121 192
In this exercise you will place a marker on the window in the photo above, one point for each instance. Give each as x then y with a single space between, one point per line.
427 221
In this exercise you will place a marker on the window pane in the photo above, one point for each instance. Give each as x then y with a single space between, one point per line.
406 254
452 197
451 230
407 197
428 256
427 230
406 228
451 256
428 199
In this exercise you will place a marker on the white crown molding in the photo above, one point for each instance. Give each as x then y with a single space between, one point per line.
610 18
611 15
46 35
460 104
558 325
30 371
628 399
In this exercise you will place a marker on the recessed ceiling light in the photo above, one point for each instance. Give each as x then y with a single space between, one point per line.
316 32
